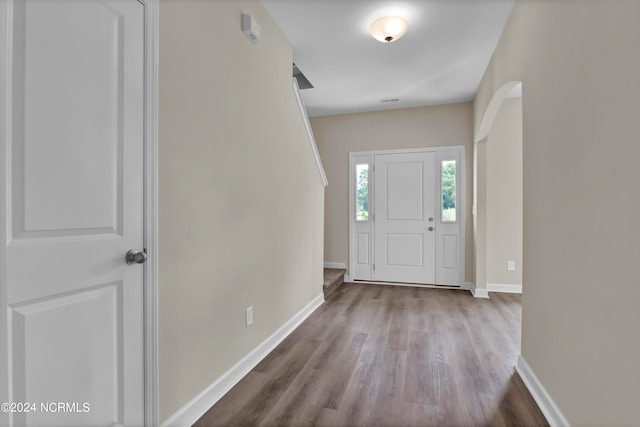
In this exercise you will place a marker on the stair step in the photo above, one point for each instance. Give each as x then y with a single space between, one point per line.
333 278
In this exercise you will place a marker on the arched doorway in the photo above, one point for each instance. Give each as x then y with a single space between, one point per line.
497 197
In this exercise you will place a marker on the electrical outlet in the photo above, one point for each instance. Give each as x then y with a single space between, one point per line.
511 265
249 313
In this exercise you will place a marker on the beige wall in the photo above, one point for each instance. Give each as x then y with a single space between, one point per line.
504 195
581 204
336 136
240 198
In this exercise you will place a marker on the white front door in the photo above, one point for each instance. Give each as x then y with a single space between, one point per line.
71 178
405 210
407 216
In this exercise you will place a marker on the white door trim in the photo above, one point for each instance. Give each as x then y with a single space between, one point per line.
6 36
151 214
461 189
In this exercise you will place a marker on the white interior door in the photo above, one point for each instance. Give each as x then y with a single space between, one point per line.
405 208
72 190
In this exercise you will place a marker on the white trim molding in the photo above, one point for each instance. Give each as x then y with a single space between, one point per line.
477 293
307 126
549 409
194 409
151 215
504 288
6 68
341 265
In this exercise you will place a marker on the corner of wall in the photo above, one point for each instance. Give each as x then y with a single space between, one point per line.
549 409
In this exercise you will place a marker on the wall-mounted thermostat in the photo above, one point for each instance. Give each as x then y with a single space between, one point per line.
251 28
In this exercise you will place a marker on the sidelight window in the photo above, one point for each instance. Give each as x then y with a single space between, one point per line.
449 173
362 192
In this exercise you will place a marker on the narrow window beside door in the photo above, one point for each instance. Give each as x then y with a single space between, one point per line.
448 190
362 192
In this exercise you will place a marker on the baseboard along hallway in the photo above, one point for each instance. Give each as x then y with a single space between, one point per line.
376 355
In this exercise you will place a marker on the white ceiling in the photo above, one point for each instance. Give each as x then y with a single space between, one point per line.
440 60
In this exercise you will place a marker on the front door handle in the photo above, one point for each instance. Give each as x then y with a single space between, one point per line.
135 257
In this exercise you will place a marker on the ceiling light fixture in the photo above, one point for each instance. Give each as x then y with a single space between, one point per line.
388 28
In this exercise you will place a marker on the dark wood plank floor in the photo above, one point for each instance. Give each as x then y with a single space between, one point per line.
376 355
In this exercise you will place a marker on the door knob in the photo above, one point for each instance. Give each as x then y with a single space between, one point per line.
135 257
430 228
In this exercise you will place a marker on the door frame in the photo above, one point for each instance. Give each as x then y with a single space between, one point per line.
461 189
150 305
150 309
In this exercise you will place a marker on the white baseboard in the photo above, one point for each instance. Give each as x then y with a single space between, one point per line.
347 278
477 293
549 409
335 265
504 288
194 409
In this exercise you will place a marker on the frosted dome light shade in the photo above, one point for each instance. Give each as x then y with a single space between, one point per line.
388 28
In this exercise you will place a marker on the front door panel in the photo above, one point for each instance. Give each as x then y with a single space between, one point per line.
405 211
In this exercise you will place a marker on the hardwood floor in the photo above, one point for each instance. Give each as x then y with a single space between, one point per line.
376 355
